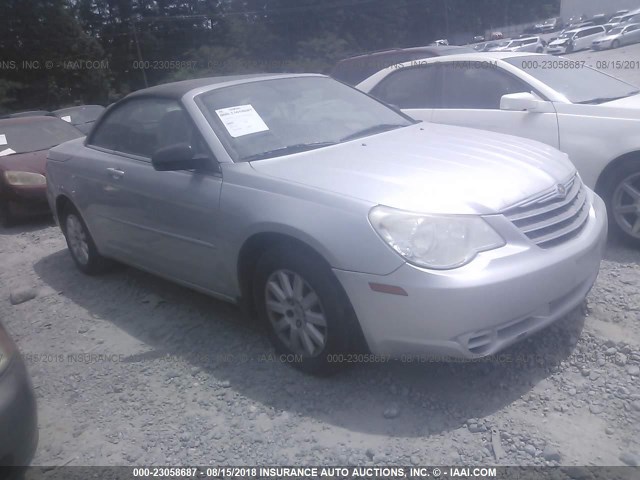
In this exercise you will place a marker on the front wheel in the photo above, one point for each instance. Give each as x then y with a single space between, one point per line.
539 50
81 246
622 194
615 44
307 314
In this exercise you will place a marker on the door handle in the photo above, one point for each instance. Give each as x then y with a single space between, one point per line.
115 173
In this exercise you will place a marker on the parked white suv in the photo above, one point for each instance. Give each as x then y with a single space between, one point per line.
575 40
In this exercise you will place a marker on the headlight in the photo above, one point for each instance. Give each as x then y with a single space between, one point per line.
434 241
7 349
24 178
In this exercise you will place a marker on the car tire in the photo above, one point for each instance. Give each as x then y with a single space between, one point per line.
569 48
539 50
621 192
6 217
81 245
308 316
615 44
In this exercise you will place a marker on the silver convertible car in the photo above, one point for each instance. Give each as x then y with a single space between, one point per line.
343 225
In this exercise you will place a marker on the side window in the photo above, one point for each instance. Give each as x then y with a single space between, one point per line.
142 126
469 87
409 88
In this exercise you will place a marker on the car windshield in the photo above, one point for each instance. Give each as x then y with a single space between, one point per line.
270 118
515 43
549 21
566 35
80 115
586 85
615 31
615 20
24 137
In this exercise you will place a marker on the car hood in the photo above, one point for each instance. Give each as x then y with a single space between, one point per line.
429 168
560 41
626 108
629 102
25 162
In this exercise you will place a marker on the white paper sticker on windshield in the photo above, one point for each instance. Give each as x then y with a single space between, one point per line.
241 120
66 118
3 139
6 151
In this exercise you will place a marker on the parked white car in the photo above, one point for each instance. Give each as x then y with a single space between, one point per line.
591 116
575 40
530 44
619 36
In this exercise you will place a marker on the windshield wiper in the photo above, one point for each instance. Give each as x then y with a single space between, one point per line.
289 149
372 130
594 101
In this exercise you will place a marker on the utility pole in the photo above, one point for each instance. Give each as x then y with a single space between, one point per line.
135 37
446 17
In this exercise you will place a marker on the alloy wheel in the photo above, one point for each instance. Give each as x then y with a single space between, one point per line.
77 238
626 205
296 313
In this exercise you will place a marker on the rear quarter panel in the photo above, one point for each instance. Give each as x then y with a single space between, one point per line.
593 141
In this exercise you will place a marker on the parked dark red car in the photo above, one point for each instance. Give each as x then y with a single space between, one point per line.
24 143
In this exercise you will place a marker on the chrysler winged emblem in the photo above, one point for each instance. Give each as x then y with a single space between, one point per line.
561 191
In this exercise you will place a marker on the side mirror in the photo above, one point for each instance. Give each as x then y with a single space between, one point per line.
518 102
180 156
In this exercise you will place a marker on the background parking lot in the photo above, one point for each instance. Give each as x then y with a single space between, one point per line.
622 62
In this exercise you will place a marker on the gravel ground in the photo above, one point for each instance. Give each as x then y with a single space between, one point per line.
131 369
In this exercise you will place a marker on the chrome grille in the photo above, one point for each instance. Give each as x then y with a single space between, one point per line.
551 219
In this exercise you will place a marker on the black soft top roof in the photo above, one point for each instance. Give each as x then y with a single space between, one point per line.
177 90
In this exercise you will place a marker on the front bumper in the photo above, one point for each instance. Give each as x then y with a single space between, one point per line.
557 49
18 416
499 298
26 201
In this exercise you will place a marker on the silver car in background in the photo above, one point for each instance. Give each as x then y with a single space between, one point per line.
618 36
340 223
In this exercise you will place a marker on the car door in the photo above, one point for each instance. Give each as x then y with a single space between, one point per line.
412 89
529 45
631 35
590 35
470 96
580 40
164 222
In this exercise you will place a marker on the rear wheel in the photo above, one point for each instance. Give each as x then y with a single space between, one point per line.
622 194
539 50
81 245
307 314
